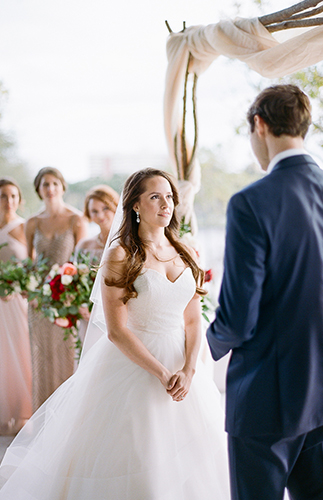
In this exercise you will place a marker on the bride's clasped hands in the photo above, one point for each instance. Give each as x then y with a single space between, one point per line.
180 384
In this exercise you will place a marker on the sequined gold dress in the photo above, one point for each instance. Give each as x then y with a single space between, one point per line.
52 356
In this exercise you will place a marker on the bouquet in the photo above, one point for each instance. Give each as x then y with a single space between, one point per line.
66 289
22 276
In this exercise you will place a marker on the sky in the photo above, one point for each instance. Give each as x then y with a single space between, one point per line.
86 78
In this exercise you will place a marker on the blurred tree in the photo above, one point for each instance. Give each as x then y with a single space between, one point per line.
218 185
76 192
311 81
12 166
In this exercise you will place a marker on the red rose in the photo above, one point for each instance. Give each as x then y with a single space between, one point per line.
208 275
72 320
56 287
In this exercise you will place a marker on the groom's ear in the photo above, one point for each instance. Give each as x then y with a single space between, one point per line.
261 126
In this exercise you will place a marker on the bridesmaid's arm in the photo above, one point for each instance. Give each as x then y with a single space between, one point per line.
116 315
80 228
30 227
181 381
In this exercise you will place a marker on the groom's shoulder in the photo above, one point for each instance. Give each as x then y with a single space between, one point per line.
257 188
297 170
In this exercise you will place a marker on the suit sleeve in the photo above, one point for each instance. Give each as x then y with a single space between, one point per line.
244 274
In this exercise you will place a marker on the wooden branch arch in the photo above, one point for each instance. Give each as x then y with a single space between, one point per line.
300 15
296 16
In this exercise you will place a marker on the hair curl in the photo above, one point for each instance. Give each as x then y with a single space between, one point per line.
134 247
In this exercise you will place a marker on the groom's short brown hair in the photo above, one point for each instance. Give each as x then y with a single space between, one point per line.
285 109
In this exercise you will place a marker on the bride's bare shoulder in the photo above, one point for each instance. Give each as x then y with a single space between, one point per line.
116 253
114 262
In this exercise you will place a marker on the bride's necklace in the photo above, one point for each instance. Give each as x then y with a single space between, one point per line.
159 259
166 249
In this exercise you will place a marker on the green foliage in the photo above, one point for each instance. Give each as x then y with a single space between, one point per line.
310 80
184 228
207 307
21 276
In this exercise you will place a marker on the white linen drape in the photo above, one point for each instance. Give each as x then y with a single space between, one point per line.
243 39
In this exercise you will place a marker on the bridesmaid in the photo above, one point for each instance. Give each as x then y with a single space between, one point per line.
53 233
100 206
15 361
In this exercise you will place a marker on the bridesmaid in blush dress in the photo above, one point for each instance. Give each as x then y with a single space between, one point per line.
100 206
53 233
15 361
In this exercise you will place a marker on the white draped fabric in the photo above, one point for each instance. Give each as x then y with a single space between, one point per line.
243 39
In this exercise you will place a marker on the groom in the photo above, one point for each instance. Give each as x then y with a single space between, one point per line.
270 310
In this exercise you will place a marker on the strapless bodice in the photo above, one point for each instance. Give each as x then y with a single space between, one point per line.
160 304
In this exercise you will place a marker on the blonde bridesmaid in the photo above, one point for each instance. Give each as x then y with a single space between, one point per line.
100 206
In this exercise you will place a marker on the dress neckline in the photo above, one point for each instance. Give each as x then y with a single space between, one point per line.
12 224
55 235
164 276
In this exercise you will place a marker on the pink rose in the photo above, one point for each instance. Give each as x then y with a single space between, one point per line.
68 268
62 322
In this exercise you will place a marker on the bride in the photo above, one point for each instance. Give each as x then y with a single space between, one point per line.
140 419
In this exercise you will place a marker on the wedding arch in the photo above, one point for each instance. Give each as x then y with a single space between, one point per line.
192 51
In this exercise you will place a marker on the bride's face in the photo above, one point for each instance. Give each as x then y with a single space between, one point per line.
156 204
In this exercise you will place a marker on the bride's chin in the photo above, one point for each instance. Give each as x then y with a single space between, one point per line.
166 224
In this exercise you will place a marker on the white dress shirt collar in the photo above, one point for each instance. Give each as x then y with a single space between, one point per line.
285 154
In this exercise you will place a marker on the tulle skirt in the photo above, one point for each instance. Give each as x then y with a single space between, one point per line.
111 432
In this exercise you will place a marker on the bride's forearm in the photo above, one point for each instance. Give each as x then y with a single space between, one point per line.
192 347
137 352
192 317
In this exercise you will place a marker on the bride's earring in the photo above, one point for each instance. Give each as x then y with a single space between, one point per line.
138 217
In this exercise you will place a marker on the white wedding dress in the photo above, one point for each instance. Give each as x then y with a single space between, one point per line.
111 432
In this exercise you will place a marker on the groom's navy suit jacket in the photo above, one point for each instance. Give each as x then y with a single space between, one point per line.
271 303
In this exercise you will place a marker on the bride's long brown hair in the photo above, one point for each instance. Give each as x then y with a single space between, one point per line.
135 247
